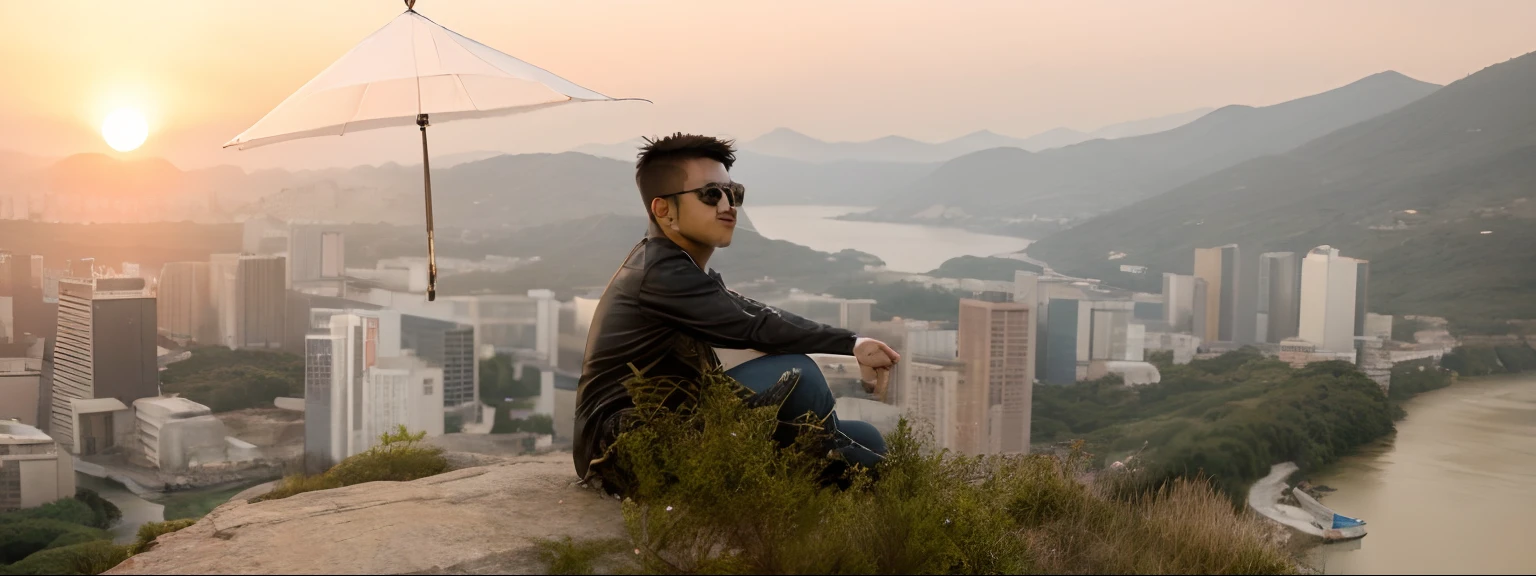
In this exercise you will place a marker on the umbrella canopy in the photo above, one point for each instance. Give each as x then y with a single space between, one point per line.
413 71
409 67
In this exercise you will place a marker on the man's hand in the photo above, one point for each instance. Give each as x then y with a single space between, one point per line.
874 353
875 380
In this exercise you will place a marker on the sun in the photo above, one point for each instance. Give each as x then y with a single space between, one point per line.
125 129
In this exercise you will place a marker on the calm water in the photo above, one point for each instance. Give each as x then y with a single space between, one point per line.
1454 492
903 247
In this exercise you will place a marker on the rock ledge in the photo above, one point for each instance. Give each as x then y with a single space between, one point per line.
471 521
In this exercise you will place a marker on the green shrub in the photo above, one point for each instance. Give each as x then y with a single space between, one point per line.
106 513
1516 358
1410 379
567 556
148 533
537 423
400 456
92 557
22 538
711 491
68 510
1475 361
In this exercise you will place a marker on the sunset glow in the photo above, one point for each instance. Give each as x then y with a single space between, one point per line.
125 129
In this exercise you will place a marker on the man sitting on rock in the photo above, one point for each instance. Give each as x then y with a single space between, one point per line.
664 313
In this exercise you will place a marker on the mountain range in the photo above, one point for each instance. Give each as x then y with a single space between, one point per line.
789 144
1440 196
994 188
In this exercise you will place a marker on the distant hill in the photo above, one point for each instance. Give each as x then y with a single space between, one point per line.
586 252
990 188
786 143
1412 191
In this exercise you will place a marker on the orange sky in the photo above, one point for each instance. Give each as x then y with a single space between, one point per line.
202 71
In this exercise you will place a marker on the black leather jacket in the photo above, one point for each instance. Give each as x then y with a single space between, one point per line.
661 310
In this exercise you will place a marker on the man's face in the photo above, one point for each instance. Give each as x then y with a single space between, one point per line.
700 222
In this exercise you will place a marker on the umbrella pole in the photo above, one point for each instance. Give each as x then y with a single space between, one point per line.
426 172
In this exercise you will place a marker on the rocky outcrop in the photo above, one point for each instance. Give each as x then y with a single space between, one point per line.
471 521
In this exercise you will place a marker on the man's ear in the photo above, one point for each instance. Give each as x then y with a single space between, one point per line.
660 208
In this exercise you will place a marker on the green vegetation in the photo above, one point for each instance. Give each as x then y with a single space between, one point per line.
904 299
66 536
982 268
497 381
400 456
199 504
1403 329
537 423
1229 417
712 492
567 556
1410 379
93 557
225 380
1490 360
148 533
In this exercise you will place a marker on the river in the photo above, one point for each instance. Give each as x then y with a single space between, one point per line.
1453 492
903 247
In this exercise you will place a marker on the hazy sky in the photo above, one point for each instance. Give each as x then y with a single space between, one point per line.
203 71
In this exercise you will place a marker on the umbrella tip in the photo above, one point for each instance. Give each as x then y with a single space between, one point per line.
410 5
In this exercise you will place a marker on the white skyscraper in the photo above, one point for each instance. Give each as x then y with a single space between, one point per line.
1328 299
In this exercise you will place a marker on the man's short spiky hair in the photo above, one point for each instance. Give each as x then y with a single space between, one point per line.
659 171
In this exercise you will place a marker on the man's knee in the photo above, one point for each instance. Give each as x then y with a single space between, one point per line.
864 434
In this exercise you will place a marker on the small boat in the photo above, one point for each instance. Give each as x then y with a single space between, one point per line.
1335 526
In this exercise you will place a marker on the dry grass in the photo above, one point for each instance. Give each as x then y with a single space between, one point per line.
729 500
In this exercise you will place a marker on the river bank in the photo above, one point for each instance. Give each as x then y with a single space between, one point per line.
1450 492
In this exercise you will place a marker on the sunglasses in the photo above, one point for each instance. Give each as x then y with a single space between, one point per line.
711 193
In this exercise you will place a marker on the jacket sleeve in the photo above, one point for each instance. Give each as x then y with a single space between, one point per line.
677 292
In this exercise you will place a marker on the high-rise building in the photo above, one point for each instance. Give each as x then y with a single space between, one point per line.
260 302
850 314
420 395
21 392
1279 304
223 269
315 252
1179 302
1362 296
1060 347
996 343
104 360
448 345
182 302
932 390
335 384
1328 293
1218 267
1198 318
1108 326
25 288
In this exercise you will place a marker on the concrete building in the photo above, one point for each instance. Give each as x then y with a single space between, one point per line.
1219 268
1183 346
420 396
1198 323
448 345
839 312
29 315
1179 302
176 434
1279 303
104 360
182 303
34 470
996 343
1298 353
223 269
260 302
1378 326
1362 295
336 407
21 392
1328 296
315 252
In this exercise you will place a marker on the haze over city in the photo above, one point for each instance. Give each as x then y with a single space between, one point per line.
681 286
847 71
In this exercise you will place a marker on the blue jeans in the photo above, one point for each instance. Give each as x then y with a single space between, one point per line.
812 395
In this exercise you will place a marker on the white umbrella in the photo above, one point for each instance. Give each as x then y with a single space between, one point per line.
408 72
